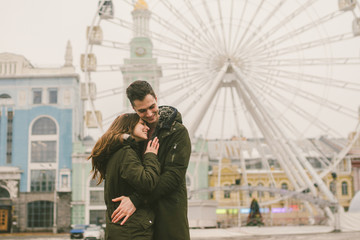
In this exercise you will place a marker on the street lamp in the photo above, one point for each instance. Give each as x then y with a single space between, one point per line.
333 188
237 183
55 203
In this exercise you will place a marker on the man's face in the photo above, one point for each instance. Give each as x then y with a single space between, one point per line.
147 109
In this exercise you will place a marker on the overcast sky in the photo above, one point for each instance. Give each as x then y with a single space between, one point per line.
40 29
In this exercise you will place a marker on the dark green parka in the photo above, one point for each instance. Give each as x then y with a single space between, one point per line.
125 174
170 195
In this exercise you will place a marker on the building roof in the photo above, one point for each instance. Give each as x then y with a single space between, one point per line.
15 66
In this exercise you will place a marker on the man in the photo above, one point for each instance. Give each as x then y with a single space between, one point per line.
170 196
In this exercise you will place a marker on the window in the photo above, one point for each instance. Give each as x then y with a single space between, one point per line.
42 180
44 126
53 95
40 214
97 217
211 195
250 191
93 183
96 193
344 188
64 180
43 151
226 194
260 193
4 193
9 137
284 186
4 95
97 198
37 94
44 141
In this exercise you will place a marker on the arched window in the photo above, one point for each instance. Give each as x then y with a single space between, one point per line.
4 95
344 188
284 186
40 214
4 193
44 126
226 192
44 140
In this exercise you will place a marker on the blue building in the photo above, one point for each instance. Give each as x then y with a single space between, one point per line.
40 117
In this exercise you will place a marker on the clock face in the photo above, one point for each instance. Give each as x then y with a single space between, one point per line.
140 51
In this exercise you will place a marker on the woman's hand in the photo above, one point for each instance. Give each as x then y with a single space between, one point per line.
153 146
123 211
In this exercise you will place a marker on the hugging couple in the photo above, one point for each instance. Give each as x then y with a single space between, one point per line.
143 158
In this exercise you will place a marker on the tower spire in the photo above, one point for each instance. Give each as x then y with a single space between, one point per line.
68 55
141 18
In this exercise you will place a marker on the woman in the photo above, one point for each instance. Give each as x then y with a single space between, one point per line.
118 159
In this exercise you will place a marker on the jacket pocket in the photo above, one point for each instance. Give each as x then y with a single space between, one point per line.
143 218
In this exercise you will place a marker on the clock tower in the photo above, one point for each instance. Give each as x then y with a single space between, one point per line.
141 65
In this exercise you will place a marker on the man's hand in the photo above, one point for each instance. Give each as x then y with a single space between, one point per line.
124 210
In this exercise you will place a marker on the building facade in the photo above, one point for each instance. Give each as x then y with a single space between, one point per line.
234 205
355 161
88 205
40 116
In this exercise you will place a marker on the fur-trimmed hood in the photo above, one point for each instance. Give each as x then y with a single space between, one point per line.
167 117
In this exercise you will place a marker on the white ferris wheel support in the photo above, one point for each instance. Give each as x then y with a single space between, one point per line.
277 138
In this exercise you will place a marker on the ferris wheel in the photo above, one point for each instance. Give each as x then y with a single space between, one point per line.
277 70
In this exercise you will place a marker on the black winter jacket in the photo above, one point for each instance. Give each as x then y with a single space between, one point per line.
125 174
170 195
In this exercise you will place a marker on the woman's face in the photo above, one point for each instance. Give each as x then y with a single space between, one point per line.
140 131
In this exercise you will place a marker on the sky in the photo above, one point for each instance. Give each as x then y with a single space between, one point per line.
40 29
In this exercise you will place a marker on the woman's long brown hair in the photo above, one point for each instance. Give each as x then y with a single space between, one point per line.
110 142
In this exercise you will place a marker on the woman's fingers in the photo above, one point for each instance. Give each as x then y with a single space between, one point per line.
153 146
118 217
155 143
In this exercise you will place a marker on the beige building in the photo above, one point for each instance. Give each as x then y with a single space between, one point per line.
271 187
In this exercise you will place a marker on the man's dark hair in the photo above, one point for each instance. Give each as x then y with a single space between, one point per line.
138 91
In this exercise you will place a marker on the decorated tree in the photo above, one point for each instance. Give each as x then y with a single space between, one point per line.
254 218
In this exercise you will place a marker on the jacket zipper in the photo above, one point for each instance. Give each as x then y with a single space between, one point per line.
173 155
